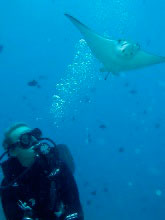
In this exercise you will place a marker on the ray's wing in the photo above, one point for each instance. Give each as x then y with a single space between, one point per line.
142 59
99 45
139 60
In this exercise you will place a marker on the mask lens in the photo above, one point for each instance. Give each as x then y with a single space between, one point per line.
27 139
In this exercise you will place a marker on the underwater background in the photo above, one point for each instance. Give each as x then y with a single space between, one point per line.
114 128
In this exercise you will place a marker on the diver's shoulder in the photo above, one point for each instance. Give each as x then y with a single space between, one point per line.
9 168
10 162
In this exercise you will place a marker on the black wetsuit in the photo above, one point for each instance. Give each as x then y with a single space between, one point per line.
44 186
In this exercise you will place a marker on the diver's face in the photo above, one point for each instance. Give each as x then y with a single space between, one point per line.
16 134
15 138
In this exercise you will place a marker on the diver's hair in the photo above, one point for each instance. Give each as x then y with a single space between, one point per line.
7 139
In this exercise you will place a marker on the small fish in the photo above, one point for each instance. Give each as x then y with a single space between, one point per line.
93 193
126 84
73 118
157 125
88 137
24 97
89 202
38 86
86 184
133 91
145 112
121 149
1 48
105 189
33 83
103 126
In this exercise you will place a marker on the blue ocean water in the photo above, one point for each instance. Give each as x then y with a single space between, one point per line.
114 128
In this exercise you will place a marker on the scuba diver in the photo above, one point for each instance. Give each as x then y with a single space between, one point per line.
38 181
